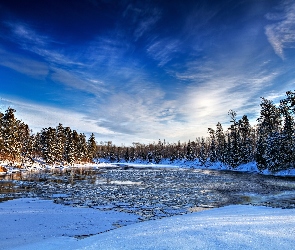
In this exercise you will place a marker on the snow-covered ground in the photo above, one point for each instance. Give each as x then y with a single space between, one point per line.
38 224
25 221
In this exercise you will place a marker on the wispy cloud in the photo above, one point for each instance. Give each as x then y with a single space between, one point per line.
23 65
142 18
164 50
76 81
106 51
42 45
24 34
56 65
147 23
281 34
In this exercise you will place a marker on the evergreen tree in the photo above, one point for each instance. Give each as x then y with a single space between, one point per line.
60 143
189 152
48 144
82 150
203 152
220 143
268 128
27 142
92 147
288 132
246 143
212 150
11 149
158 152
127 156
234 141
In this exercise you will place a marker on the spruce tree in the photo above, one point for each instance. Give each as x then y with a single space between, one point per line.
189 152
60 144
234 141
82 149
92 147
11 136
203 153
220 143
48 144
268 129
212 149
246 143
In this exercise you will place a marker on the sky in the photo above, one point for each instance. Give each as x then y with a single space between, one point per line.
140 71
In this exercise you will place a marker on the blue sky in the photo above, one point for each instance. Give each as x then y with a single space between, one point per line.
139 71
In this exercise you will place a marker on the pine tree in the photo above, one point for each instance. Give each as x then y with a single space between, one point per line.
92 147
212 150
220 143
268 128
158 152
246 143
190 156
234 141
82 148
11 136
288 132
68 152
60 144
127 156
27 142
48 144
203 153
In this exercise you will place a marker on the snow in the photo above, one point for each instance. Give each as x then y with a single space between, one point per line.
27 220
40 224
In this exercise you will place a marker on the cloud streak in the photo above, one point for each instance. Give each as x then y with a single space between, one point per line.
164 50
142 18
281 34
23 65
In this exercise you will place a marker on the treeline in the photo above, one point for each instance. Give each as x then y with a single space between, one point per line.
54 145
271 143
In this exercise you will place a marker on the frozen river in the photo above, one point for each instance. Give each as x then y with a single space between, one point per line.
148 192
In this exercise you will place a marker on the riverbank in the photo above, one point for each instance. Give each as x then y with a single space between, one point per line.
38 224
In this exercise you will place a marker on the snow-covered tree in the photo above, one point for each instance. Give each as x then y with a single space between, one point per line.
268 128
189 152
92 147
234 143
246 143
203 152
48 144
11 139
220 143
60 143
212 148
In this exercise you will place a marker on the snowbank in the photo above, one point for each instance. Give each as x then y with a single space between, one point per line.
26 221
43 223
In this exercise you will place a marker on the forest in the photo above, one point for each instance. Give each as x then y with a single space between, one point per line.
270 143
